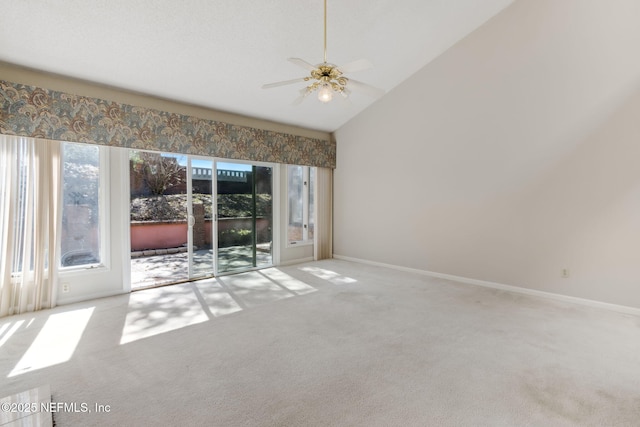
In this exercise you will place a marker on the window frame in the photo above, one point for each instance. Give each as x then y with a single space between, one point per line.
306 208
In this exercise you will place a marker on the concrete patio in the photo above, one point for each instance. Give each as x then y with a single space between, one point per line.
161 267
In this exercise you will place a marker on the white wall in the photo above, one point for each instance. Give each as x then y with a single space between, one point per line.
510 157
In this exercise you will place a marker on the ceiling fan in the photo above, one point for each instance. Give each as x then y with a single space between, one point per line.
327 78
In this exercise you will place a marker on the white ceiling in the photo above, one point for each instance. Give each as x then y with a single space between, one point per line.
218 54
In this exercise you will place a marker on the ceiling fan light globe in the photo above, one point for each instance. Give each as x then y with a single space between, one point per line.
325 94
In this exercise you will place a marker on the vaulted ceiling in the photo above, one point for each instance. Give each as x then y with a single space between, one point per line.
218 54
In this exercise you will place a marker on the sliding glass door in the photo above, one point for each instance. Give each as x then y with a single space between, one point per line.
171 212
174 233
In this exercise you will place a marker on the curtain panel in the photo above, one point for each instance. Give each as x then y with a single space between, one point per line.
41 113
323 239
29 223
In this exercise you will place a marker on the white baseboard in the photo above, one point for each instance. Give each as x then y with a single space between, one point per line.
87 298
296 261
526 291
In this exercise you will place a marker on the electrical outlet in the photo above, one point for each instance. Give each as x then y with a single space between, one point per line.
65 287
564 273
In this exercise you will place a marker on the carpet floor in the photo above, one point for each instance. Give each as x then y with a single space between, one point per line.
329 343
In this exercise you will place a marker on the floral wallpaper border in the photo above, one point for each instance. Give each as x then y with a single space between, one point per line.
41 113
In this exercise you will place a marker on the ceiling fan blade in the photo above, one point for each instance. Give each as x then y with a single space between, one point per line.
286 82
352 67
365 88
344 98
303 94
302 63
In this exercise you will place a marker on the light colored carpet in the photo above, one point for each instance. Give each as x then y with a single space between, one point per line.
331 343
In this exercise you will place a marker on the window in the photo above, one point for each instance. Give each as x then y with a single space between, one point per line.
300 180
30 203
81 232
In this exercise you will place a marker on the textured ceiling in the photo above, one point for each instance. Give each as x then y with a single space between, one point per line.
218 54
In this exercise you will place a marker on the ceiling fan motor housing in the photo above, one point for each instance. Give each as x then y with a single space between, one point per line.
328 74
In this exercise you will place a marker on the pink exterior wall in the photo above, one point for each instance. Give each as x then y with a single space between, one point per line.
163 235
158 235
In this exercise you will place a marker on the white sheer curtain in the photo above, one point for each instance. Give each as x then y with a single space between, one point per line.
323 233
30 174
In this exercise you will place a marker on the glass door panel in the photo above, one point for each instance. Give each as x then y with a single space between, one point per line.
236 212
158 214
245 219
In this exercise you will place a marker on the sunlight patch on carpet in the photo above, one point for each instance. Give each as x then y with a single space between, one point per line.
328 275
7 330
254 289
159 310
56 342
291 283
218 301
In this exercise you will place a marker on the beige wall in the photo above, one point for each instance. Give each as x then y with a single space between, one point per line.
509 158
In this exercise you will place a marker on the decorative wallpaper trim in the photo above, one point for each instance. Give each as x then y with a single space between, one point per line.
41 113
